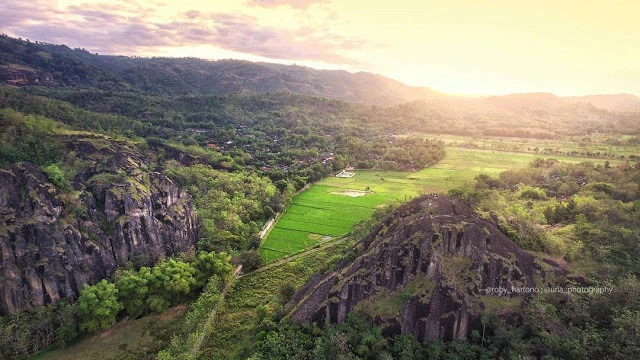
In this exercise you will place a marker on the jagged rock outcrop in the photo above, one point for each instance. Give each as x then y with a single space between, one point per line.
54 241
425 271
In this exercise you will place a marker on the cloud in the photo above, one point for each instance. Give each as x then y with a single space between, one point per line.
106 27
192 14
296 4
130 28
244 34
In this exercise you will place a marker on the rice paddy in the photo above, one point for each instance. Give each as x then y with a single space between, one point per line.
329 209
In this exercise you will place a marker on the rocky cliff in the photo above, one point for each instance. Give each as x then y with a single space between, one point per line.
425 270
114 211
16 74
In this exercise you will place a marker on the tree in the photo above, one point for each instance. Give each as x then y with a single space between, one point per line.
209 263
170 281
98 306
133 289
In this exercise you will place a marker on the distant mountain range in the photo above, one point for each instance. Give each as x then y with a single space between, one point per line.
26 63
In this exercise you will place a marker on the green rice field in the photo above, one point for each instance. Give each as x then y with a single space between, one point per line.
326 210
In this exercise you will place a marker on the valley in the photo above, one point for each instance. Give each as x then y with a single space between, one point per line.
133 186
324 212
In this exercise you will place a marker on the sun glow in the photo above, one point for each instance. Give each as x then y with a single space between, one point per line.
457 46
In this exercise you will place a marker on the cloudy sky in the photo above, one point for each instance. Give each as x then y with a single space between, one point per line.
459 46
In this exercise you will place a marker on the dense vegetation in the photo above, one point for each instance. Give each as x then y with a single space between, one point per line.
231 205
584 213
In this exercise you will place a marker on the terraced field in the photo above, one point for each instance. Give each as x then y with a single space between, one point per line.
330 208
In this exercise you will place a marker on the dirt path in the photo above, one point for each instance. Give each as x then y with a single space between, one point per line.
296 256
267 227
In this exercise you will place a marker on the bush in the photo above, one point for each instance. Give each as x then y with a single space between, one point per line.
56 176
532 193
250 260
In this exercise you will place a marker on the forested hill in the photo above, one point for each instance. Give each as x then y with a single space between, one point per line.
175 90
23 62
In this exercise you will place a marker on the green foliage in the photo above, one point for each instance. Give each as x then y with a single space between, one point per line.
98 306
26 138
169 282
597 204
389 153
357 338
288 140
406 347
532 193
572 326
133 289
285 292
22 334
259 290
172 279
250 260
364 227
230 205
56 176
208 264
195 322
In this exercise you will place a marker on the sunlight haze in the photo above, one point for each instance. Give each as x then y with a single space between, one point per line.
460 46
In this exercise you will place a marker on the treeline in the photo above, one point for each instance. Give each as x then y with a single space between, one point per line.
292 139
162 91
76 118
62 70
474 117
357 338
388 153
283 136
131 293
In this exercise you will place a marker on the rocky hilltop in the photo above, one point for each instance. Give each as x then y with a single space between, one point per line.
115 211
425 270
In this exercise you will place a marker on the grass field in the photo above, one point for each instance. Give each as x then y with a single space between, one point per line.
321 212
128 339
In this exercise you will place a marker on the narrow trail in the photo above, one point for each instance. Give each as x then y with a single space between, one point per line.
267 226
204 330
296 256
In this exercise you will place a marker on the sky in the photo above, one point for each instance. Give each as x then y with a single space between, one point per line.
487 47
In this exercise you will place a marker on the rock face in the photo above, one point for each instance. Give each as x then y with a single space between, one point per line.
15 74
54 241
425 271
